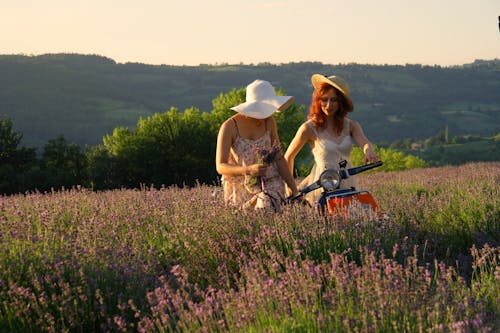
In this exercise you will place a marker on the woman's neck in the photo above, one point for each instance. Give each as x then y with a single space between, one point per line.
250 121
330 121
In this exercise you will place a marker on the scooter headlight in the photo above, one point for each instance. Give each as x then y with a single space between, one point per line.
329 180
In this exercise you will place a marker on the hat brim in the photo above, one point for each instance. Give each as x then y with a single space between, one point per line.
317 79
264 108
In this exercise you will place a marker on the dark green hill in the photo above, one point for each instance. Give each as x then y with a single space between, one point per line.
484 149
85 97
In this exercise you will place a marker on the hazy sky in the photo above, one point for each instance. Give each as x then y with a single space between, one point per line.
190 32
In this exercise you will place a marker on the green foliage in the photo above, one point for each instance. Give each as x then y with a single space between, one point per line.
222 105
63 164
15 161
393 160
164 149
102 167
9 141
174 147
440 138
288 123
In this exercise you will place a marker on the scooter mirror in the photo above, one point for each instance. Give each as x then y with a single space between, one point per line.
329 180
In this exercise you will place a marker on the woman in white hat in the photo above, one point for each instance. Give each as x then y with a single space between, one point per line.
329 132
248 156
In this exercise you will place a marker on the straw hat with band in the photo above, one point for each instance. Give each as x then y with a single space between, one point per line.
262 101
336 82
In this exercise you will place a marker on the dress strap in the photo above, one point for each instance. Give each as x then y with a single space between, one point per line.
347 126
236 125
310 124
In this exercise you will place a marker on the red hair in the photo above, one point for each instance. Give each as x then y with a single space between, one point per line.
317 115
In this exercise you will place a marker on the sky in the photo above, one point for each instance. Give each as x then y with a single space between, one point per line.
193 32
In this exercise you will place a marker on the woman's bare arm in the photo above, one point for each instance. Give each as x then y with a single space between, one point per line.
303 135
280 161
225 138
362 141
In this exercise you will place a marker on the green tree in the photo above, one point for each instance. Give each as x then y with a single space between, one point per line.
15 161
102 168
130 157
164 149
9 141
222 105
63 164
288 122
173 147
438 139
184 144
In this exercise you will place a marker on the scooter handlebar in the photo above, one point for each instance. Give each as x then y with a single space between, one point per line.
344 174
294 197
361 168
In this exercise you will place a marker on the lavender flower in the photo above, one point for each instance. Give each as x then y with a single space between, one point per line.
264 155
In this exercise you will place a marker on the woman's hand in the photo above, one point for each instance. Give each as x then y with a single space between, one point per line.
370 156
289 192
256 170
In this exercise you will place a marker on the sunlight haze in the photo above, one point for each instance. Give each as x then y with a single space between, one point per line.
190 32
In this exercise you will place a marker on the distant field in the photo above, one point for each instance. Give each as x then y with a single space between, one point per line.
454 154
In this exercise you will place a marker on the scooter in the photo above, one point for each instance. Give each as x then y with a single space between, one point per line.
341 202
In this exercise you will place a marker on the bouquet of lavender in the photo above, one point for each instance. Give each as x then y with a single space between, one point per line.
265 155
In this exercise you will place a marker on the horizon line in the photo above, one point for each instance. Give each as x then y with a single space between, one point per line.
218 64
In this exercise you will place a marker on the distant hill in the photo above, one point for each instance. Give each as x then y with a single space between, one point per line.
85 97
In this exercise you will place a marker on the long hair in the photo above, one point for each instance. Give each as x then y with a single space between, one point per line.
318 117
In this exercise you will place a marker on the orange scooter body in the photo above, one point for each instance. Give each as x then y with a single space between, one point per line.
347 203
344 203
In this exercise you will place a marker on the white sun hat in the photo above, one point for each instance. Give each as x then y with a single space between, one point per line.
262 101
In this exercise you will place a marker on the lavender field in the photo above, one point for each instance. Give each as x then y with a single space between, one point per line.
177 260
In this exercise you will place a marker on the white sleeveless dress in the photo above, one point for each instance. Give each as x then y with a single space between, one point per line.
328 152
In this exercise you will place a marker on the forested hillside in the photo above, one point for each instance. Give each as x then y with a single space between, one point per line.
85 97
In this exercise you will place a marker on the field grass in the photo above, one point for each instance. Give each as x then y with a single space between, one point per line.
178 260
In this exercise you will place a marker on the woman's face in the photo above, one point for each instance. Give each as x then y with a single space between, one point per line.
330 102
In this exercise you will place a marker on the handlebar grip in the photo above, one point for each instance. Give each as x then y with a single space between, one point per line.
294 197
356 170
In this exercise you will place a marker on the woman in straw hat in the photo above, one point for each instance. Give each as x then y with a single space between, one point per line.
248 155
329 132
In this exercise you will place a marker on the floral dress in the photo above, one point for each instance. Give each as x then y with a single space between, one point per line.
253 192
328 152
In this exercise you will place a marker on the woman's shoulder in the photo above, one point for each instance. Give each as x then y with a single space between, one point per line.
231 121
351 122
228 126
352 125
270 122
308 128
309 124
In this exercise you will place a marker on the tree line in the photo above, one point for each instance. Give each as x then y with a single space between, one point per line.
170 148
